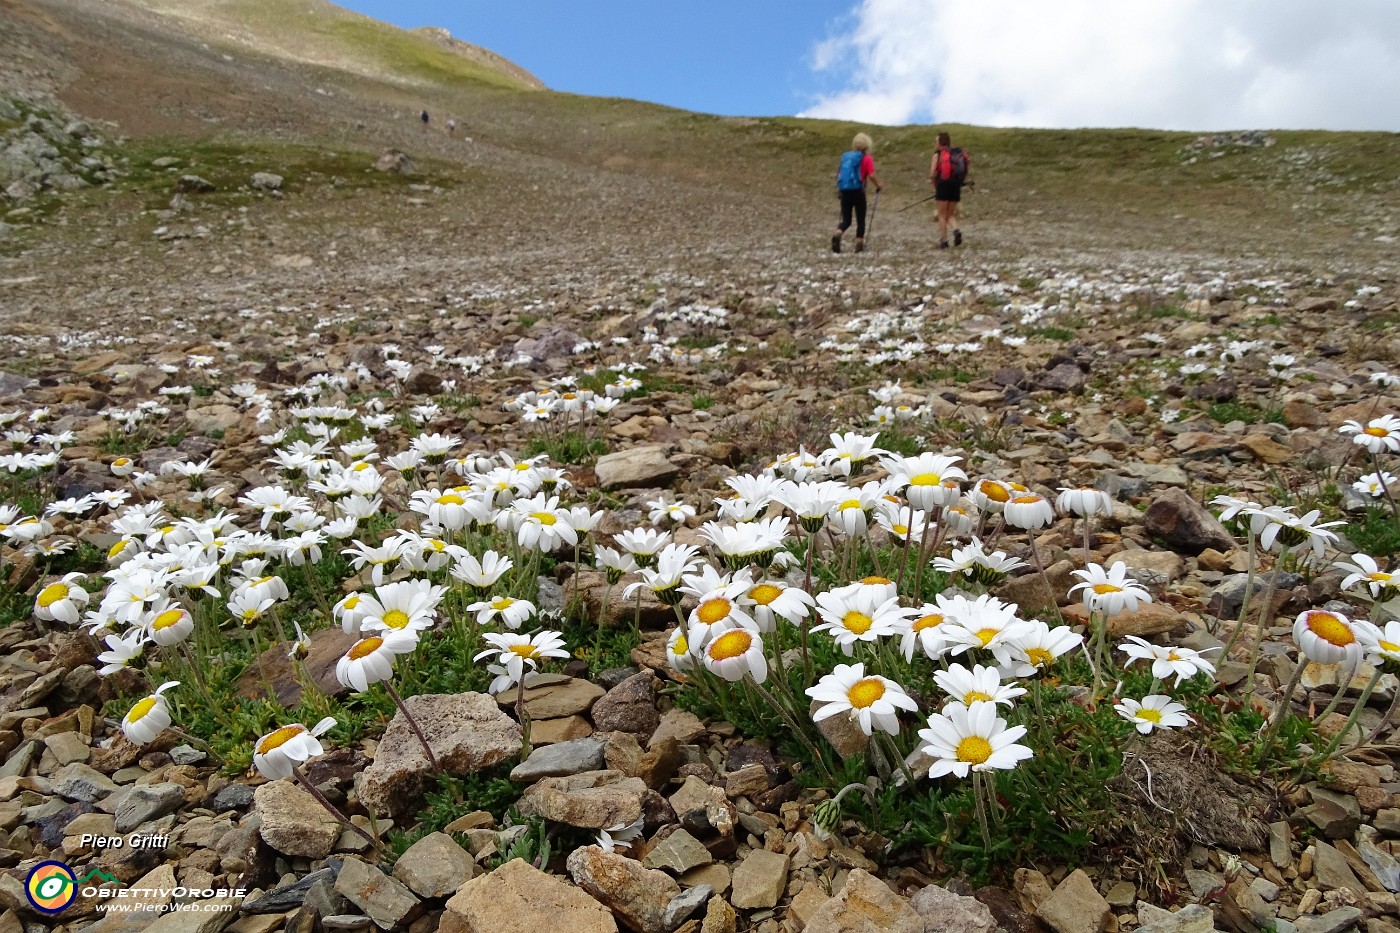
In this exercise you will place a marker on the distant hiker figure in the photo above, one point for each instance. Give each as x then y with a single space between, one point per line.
948 172
452 128
857 167
424 117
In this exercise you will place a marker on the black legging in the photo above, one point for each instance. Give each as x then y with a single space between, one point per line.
853 199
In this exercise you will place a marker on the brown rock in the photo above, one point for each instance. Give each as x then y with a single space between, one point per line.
1148 619
552 696
385 901
590 800
435 866
328 646
293 822
1266 449
519 898
636 895
1185 524
629 707
760 880
467 732
865 905
1076 906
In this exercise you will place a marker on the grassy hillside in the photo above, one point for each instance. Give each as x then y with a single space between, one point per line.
316 32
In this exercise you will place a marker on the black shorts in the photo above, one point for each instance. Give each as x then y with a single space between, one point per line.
947 191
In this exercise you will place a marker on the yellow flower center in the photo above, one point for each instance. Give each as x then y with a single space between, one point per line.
351 602
996 492
765 593
900 530
876 581
986 635
450 498
682 647
502 602
712 610
933 620
396 618
1039 657
975 696
1104 588
52 594
121 461
364 648
142 707
850 504
1149 715
857 622
1026 500
865 692
525 651
117 548
1380 577
544 518
167 618
731 644
1330 628
926 479
1173 656
275 740
360 467
1389 647
1376 431
974 749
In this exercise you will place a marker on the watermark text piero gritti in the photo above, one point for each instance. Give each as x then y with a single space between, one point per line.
133 841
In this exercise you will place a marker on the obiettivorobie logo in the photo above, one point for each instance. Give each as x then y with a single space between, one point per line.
51 886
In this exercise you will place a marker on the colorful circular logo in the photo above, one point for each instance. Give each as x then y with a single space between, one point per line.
51 887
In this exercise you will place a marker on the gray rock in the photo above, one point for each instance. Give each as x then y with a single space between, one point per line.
395 162
1066 377
12 384
193 184
1185 525
291 896
561 759
435 866
187 755
678 853
946 912
147 802
1193 918
80 782
684 904
1332 871
1334 921
466 731
266 181
391 905
233 797
644 466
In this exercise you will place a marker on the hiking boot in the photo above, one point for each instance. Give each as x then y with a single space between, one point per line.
942 244
836 244
957 238
860 246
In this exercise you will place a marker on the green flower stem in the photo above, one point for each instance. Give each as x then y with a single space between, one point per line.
1389 496
523 716
1285 699
314 585
797 731
334 811
1341 689
1248 594
413 723
979 791
1355 714
896 756
598 623
1266 615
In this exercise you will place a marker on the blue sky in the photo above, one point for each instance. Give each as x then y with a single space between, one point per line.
1171 64
721 56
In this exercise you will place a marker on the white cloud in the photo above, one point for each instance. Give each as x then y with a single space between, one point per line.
1169 64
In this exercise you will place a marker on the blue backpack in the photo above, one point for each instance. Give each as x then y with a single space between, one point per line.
848 178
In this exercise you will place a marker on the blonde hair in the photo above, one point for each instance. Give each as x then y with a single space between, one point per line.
862 142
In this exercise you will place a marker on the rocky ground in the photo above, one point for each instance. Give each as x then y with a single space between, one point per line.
1049 351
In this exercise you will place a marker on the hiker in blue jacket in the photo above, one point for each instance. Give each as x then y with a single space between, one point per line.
857 167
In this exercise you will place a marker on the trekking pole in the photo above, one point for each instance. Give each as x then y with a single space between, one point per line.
870 227
915 204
